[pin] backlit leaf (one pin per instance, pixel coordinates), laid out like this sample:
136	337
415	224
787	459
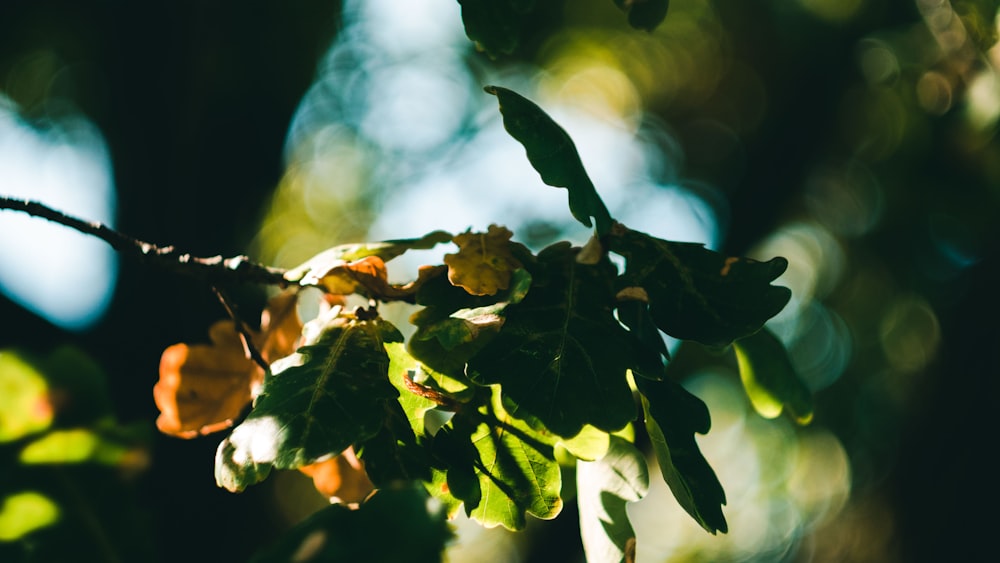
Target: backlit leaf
25	406
24	512
337	534
604	487
202	388
553	154
589	445
483	263
561	356
422	389
644	14
697	294
369	277
108	444
325	397
673	415
499	466
769	378
341	477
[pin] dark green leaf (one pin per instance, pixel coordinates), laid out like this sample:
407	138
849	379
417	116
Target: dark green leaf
500	467
327	396
561	356
769	378
418	528
651	350
697	294
644	14
672	417
553	154
603	488
455	325
393	454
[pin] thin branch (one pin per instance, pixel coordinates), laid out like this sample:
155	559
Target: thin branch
246	338
213	269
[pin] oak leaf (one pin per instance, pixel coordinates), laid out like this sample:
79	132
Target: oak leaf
484	263
367	276
342	477
203	387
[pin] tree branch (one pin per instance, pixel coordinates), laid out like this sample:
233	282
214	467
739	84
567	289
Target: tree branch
213	269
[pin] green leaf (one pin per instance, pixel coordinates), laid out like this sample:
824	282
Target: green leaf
317	266
401	367
394	454
603	488
561	356
393	525
456	325
672	417
328	395
553	154
644	14
25	406
106	444
769	378
650	346
695	293
589	445
25	512
499	466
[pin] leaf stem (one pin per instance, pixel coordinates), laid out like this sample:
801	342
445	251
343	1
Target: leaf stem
249	348
214	269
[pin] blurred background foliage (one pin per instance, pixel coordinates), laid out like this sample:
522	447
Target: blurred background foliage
854	137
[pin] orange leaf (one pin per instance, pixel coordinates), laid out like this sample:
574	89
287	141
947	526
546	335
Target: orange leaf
280	326
342	477
371	277
203	387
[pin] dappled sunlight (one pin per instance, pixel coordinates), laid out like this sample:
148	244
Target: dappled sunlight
57	273
257	440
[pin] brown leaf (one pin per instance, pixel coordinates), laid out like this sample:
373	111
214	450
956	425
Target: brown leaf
342	477
484	263
203	387
370	277
280	326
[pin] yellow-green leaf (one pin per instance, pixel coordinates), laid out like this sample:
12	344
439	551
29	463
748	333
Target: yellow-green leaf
769	378
484	262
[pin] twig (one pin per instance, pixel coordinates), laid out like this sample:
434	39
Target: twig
241	327
214	269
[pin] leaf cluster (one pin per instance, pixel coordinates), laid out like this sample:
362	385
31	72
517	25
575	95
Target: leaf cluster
517	362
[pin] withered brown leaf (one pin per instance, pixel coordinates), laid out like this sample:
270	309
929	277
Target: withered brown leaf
203	387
